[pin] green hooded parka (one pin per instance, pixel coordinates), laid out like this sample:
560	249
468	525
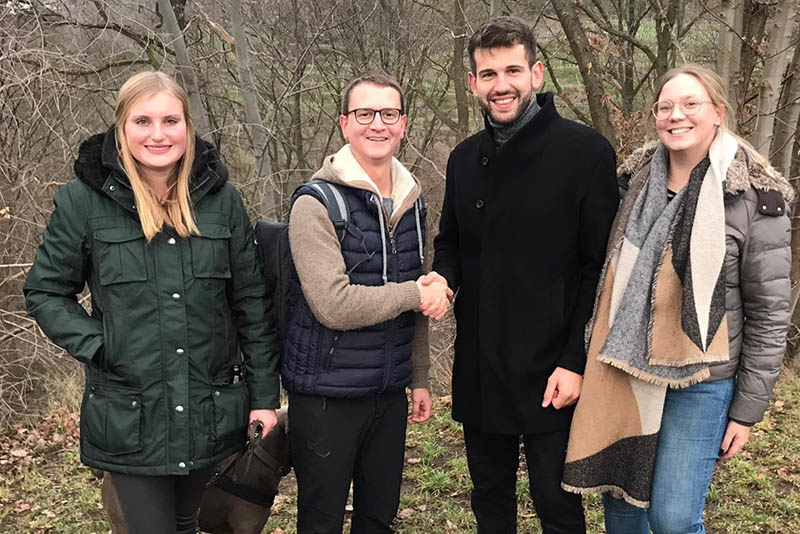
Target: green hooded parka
169	318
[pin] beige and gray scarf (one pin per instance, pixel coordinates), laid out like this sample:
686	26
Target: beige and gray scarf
659	321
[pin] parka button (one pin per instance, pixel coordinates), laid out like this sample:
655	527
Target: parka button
134	404
484	161
479	203
179	408
91	395
171	241
112	188
216	393
191	463
176	296
181	465
179	351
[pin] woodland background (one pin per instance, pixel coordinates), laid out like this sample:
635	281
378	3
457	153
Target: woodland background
265	77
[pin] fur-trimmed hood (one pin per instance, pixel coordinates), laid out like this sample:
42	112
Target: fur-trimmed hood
98	158
742	174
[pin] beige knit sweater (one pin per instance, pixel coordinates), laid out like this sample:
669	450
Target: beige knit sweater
317	255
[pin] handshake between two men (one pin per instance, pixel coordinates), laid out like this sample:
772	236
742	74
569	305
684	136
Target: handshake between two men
563	386
435	295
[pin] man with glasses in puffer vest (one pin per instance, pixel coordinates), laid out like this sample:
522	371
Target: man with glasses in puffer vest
355	339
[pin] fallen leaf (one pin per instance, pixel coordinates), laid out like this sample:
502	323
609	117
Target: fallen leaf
414	461
19	453
22	507
405	513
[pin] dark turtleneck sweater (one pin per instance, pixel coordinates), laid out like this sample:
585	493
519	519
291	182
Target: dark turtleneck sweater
504	132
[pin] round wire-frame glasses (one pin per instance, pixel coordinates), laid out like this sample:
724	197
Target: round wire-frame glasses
689	106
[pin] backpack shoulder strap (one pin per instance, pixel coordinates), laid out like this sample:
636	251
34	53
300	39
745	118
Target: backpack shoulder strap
334	201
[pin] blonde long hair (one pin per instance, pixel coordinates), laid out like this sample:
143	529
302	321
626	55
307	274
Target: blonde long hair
713	85
177	212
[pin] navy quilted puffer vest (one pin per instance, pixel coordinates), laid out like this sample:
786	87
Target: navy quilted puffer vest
334	363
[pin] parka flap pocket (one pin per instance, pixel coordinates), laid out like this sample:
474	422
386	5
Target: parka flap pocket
120	254
214	231
111	419
231	402
210	258
118	235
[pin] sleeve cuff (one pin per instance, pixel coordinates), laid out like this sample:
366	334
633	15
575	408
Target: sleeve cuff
410	295
419	378
264	394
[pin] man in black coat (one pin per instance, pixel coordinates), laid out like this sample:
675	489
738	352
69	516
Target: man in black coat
527	210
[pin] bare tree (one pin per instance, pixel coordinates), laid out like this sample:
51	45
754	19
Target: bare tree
776	58
459	75
186	68
729	46
591	70
263	164
788	115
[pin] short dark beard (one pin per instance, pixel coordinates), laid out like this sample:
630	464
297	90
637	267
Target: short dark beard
523	105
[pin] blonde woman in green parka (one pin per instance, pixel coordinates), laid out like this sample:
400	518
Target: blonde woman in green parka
151	224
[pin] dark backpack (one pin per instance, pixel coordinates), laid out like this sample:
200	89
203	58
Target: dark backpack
272	238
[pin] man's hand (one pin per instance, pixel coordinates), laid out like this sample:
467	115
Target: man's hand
421	405
432	277
563	388
735	437
434	297
267	418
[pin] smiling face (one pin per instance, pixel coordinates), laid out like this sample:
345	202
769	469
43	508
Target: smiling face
503	81
155	132
690	134
373	143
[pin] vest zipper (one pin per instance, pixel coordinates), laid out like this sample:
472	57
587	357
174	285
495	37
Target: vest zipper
388	366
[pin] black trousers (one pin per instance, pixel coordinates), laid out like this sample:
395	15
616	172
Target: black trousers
161	504
333	441
493	460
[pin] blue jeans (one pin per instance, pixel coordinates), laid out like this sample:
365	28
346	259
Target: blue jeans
692	428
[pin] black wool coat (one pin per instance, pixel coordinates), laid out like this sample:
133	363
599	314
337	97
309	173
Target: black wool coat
522	238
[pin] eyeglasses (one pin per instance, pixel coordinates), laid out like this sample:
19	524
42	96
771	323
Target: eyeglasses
365	116
689	106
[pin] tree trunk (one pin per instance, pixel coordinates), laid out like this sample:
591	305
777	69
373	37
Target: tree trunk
255	123
665	17
186	71
727	41
458	73
179	7
787	117
591	70
754	17
780	28
795	167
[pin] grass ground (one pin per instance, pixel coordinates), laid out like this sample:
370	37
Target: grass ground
44	489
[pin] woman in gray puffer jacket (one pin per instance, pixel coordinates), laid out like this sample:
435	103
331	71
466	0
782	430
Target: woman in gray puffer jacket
691	317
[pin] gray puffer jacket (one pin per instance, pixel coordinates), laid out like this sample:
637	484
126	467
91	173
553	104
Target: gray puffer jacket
757	263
